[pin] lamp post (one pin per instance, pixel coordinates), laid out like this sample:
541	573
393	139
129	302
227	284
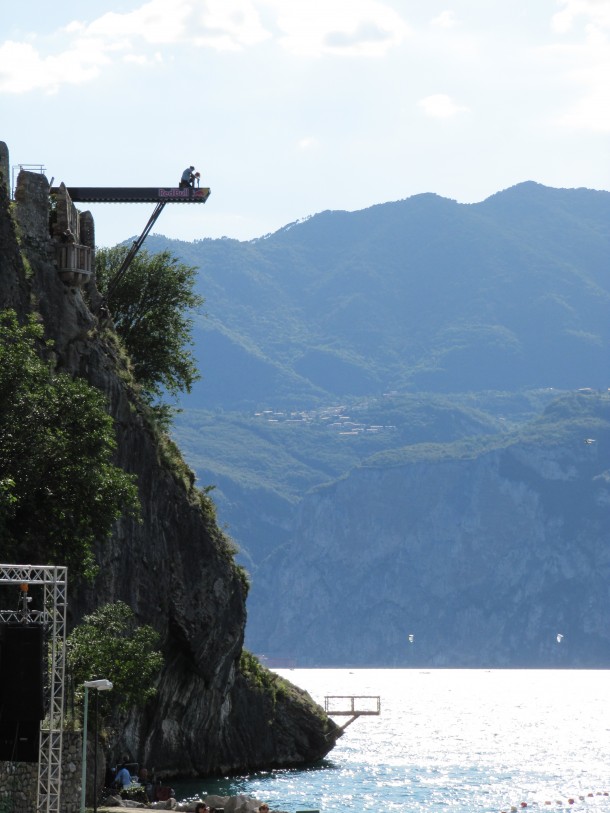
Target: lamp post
102	685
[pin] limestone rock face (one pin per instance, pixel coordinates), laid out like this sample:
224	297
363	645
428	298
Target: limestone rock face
173	568
478	561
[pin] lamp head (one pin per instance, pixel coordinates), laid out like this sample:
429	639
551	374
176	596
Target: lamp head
102	685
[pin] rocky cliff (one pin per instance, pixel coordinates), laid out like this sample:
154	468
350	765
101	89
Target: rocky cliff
489	554
175	568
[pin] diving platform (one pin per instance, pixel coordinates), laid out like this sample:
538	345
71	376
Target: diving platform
135	194
352	706
73	264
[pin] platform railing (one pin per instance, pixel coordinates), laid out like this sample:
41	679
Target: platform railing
352	704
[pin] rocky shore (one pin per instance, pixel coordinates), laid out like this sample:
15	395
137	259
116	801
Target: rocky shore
228	804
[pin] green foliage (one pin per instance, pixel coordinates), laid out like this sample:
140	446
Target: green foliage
276	688
244	577
150	305
59	491
256	674
135	793
110	644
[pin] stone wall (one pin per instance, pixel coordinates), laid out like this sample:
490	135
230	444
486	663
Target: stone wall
19	780
31	212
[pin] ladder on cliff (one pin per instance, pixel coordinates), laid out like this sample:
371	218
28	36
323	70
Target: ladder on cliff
352	706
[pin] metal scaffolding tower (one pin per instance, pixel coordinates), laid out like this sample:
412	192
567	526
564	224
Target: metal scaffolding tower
53	616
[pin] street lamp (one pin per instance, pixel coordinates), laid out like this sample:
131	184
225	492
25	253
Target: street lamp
102	685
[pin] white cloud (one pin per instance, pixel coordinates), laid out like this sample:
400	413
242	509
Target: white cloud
446	19
341	27
440	106
583	59
588	67
134	59
307	143
154	22
78	51
230	25
23	69
85	48
594	11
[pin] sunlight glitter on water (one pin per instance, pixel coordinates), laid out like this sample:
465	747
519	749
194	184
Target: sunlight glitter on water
465	740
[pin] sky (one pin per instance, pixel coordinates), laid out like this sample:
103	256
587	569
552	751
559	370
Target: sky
293	107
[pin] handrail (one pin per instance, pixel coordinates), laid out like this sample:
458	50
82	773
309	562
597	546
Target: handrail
352	703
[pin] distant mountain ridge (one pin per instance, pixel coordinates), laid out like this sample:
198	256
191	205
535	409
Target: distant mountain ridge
451	323
424	294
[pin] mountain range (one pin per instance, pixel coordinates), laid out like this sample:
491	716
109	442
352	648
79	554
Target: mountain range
421	332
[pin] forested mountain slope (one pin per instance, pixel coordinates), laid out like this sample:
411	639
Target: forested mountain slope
424	294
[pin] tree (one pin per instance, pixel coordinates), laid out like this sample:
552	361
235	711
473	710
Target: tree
59	490
150	305
110	644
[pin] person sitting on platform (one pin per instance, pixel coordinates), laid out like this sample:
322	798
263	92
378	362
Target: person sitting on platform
188	178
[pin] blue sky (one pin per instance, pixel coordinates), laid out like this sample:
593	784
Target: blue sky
292	107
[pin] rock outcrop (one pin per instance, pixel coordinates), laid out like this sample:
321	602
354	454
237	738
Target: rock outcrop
175	568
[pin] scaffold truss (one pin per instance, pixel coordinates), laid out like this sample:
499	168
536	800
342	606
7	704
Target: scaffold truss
53	616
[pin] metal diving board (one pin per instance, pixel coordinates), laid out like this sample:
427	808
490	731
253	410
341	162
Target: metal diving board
126	194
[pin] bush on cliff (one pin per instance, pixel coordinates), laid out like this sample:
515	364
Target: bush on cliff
150	305
59	491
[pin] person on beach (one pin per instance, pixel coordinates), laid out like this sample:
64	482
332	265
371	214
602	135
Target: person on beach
123	777
144	780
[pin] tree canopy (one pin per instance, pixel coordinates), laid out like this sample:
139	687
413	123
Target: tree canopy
151	305
59	490
109	643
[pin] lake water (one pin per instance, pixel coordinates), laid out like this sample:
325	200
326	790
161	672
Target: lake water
462	741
